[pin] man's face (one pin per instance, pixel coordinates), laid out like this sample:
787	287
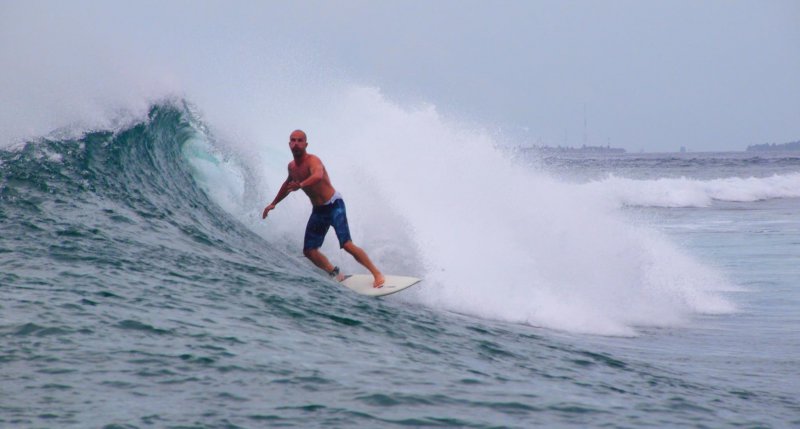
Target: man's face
297	143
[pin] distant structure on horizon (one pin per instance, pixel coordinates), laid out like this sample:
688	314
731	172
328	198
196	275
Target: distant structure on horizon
791	146
568	149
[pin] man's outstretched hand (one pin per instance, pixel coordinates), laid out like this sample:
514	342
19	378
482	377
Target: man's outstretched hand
267	210
286	188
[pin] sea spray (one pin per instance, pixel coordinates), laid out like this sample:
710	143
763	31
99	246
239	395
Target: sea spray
427	196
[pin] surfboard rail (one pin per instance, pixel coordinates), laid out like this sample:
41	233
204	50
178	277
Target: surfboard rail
362	284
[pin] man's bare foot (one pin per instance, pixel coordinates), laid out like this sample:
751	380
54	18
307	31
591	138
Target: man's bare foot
336	274
379	281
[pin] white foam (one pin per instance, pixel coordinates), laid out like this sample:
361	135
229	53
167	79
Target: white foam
430	197
684	192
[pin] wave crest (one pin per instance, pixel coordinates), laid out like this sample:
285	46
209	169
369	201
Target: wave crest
685	192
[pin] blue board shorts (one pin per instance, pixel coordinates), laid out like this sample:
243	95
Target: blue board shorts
322	218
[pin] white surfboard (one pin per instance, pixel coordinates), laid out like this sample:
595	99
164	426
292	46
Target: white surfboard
362	283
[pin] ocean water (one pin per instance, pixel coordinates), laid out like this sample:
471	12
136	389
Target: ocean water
140	288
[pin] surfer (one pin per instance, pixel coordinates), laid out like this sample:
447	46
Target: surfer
306	172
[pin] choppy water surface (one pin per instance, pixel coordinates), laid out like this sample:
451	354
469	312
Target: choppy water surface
130	298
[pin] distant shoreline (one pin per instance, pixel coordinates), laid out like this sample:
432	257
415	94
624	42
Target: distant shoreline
757	148
583	149
774	147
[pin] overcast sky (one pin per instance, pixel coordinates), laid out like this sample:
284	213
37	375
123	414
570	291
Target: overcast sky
650	75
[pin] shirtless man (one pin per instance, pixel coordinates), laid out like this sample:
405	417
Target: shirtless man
306	172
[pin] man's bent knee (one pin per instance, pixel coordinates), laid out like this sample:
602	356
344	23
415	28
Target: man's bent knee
349	246
310	252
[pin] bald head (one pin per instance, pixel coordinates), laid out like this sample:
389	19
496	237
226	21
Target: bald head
297	134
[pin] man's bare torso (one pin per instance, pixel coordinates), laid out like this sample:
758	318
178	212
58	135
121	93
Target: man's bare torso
320	192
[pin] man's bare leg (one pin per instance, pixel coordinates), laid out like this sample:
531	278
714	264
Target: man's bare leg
361	257
321	261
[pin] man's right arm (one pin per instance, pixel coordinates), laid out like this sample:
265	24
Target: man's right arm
286	188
